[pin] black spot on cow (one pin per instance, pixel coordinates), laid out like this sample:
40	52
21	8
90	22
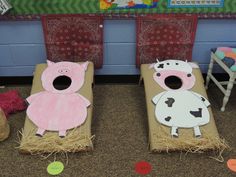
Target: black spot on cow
203	99
167	118
177	131
170	102
197	113
161	66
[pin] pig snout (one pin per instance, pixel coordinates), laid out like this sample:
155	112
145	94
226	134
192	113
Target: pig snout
63	71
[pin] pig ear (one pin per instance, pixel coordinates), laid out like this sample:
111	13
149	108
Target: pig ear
85	65
50	63
193	65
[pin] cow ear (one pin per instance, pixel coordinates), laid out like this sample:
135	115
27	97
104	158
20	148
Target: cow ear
85	65
50	63
151	65
193	65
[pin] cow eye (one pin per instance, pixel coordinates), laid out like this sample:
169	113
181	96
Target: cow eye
189	75
177	63
158	74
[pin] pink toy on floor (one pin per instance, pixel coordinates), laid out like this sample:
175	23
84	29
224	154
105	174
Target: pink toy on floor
59	110
11	102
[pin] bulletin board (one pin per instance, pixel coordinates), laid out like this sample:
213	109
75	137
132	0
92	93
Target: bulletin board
39	7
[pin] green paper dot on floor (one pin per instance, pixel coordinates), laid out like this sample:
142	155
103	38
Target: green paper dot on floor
55	168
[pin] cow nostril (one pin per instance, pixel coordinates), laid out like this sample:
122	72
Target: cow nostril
189	75
158	74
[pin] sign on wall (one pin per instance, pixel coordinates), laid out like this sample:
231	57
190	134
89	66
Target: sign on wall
195	3
127	4
37	7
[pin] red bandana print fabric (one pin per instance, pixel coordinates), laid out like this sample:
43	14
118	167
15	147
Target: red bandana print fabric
165	36
74	38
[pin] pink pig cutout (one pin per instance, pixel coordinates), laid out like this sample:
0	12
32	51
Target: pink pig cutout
59	110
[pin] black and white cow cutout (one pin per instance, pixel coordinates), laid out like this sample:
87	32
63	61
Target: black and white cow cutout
179	108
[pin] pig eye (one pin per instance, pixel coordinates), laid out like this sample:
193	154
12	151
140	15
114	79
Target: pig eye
158	74
189	75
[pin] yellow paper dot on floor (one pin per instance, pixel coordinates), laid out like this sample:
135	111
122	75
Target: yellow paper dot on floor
55	168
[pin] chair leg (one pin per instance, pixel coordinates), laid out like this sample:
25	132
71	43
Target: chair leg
209	72
228	92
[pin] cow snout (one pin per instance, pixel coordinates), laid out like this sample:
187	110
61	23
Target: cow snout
184	80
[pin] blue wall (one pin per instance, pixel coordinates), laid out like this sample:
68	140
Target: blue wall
22	45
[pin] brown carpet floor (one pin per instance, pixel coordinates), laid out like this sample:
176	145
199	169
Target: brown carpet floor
120	126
